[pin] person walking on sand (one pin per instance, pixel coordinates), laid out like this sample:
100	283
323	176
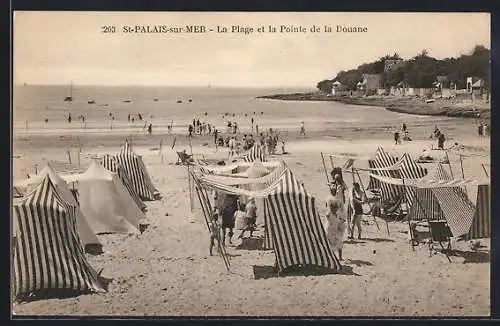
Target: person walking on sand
441	140
302	131
229	207
250	217
336	217
232	146
480	130
150	129
190	130
357	203
215	229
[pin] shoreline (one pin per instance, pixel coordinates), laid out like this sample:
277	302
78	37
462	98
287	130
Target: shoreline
408	105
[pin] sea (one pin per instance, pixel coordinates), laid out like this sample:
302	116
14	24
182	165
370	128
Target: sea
42	109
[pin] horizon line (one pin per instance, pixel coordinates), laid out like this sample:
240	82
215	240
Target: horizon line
163	85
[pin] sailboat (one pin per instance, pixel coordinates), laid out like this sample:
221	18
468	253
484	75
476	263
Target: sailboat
70	97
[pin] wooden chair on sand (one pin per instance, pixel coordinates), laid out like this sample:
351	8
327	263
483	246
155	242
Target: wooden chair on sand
184	158
440	233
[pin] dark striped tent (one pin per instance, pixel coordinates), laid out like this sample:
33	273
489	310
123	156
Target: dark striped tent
110	163
481	224
48	251
137	172
293	226
384	160
256	153
409	169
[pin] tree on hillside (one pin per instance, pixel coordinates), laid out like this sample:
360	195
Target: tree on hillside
325	86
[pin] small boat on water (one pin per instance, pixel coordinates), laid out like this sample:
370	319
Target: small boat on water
179	101
127	101
91	102
70	97
156	100
190	100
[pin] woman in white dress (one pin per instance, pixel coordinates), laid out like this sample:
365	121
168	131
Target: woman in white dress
336	220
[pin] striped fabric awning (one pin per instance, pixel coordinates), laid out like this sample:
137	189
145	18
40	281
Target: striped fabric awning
458	211
110	163
48	251
409	169
481	224
137	172
419	183
293	227
256	153
382	161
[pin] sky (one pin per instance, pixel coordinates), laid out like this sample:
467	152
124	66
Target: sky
60	47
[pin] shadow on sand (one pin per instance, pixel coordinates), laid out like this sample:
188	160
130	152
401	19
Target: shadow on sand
378	239
472	257
265	272
359	263
251	244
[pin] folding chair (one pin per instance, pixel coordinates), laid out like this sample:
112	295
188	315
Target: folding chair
393	209
184	158
440	233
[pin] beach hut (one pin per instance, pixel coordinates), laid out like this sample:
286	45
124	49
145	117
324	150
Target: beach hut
293	228
136	170
107	202
87	235
110	163
481	224
48	255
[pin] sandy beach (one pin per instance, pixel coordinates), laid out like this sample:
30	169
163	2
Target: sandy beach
167	271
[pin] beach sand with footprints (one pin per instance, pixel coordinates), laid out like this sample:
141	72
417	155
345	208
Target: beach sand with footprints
167	271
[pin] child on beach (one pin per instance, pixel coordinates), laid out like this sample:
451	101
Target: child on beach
214	229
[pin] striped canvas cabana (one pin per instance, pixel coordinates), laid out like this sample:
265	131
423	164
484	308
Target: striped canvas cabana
409	169
110	163
137	172
454	205
481	225
48	252
256	153
293	227
385	165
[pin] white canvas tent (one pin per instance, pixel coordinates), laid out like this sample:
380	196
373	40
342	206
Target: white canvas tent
87	235
107	202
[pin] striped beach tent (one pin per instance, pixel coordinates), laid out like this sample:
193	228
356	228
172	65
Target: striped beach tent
481	224
382	161
110	163
137	172
48	252
87	235
293	228
256	153
409	169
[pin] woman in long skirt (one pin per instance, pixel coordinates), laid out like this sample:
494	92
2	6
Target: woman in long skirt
336	221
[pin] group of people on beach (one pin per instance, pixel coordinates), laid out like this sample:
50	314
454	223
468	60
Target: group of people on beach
231	212
483	130
402	134
200	128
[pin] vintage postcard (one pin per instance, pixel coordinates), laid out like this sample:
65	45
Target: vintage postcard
251	164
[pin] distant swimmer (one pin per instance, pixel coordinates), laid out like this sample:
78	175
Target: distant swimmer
46	120
150	128
69	118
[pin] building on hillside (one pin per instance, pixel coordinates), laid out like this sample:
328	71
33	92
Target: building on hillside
339	89
370	83
475	85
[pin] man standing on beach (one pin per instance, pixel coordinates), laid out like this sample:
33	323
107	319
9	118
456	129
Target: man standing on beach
357	201
302	131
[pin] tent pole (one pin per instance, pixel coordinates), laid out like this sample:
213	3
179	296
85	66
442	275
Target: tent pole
449	163
331	162
484	169
190	188
462	168
324	166
364	192
409	224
